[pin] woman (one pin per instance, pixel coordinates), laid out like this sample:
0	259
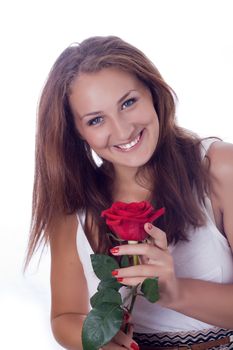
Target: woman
105	96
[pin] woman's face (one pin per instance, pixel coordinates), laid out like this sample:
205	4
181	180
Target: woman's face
114	114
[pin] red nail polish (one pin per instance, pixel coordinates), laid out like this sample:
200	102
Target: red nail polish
114	273
149	226
114	250
119	279
126	317
134	346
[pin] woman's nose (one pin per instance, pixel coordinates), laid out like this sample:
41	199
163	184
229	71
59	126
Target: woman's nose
121	130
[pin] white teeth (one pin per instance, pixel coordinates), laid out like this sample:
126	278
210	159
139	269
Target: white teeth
131	144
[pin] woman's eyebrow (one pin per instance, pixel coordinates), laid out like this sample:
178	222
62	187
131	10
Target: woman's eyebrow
91	113
124	96
118	102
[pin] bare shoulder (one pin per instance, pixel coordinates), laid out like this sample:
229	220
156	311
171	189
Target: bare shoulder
220	155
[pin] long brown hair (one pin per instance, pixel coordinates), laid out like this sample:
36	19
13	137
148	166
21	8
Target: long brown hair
66	177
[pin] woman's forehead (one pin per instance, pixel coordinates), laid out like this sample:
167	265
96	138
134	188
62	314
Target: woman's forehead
95	90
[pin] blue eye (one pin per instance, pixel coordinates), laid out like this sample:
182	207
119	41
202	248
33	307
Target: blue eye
95	121
128	103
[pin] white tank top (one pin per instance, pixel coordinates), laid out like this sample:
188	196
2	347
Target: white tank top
206	256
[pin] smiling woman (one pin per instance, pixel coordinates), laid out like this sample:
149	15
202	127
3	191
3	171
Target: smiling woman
125	129
105	95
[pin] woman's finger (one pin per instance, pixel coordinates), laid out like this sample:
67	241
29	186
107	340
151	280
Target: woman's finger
111	346
126	340
148	270
138	276
144	249
159	236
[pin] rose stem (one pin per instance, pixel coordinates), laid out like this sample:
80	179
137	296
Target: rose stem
134	289
134	295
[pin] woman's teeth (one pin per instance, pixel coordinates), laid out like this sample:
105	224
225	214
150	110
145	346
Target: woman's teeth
127	146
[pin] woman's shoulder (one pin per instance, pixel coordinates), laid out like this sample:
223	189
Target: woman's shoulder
62	230
220	155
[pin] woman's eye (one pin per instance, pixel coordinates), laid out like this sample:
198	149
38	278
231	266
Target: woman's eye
128	103
95	121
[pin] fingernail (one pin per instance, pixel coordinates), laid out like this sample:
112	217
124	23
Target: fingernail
119	279
114	273
134	346
126	317
149	226
114	250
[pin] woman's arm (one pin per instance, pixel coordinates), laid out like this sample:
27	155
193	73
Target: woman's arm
206	301
213	302
68	284
69	291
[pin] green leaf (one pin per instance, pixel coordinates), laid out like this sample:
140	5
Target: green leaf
100	326
103	265
125	261
106	295
150	289
109	283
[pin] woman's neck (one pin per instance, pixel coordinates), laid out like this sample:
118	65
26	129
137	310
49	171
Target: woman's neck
128	189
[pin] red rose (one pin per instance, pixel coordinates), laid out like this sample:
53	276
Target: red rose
127	219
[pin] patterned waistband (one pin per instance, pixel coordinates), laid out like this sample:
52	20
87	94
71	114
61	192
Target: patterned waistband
182	338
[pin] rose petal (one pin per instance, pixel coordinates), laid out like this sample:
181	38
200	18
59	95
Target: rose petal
127	219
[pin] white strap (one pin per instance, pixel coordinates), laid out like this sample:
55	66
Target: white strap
206	143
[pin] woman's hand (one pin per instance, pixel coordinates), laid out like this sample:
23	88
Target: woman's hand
122	340
155	261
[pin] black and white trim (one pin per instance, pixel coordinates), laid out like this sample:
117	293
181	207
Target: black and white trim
183	338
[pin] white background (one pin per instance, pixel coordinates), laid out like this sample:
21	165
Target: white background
191	42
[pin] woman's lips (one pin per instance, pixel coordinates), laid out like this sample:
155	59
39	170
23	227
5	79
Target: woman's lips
128	146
